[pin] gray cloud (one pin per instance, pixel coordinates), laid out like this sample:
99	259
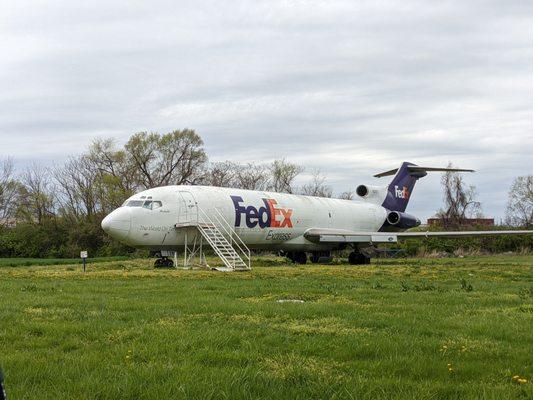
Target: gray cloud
349	87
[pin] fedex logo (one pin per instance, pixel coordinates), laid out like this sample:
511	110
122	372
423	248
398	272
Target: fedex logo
268	216
402	193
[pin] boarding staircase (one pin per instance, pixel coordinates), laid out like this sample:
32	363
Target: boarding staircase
222	238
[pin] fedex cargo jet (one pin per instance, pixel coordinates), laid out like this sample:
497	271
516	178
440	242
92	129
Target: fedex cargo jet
172	219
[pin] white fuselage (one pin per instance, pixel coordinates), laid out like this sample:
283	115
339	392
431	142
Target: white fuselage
263	220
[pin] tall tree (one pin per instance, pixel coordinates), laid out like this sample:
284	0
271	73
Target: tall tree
459	200
222	174
115	178
175	158
77	185
252	177
520	203
317	186
283	174
9	192
37	197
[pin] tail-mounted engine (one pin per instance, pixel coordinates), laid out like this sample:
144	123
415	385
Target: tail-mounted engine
372	194
402	220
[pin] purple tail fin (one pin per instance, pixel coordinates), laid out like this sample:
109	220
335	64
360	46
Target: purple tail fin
401	187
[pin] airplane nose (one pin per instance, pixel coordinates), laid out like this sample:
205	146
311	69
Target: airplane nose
118	223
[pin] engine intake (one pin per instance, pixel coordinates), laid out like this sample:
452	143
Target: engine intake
402	220
372	194
362	190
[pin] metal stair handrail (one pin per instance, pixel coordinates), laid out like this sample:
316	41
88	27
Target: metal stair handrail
232	234
218	251
228	230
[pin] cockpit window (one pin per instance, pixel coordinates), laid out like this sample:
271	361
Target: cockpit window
148	204
134	203
152	205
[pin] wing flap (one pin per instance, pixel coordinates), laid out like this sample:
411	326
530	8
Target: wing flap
326	235
460	233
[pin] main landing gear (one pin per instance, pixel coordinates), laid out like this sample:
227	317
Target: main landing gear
164	262
297	257
323	257
358	258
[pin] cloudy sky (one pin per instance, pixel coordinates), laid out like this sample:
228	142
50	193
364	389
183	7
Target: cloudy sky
347	87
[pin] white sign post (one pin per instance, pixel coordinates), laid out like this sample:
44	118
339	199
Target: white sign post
83	256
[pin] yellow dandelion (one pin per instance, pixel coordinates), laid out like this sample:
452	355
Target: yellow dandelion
516	377
522	380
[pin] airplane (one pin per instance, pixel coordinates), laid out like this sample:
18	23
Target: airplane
169	219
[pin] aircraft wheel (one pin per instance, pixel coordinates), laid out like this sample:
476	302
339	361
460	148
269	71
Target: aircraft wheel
290	256
357	258
321	257
164	263
300	258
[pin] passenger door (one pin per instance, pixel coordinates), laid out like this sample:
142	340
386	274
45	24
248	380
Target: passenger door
188	209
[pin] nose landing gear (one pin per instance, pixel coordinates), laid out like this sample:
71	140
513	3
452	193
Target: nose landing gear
164	262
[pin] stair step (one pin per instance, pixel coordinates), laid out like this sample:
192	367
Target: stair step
222	246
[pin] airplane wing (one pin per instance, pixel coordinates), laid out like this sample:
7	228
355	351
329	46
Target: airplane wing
325	235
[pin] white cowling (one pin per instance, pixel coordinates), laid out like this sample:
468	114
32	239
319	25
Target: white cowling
372	194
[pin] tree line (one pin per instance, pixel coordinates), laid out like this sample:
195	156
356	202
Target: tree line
56	211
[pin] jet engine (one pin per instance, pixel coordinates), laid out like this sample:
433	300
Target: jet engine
373	194
402	220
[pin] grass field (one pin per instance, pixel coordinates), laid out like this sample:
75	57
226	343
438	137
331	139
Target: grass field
26	262
440	329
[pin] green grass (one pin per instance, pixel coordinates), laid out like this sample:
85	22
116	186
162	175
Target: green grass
387	330
26	262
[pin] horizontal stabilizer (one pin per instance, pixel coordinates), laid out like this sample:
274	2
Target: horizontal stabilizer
417	168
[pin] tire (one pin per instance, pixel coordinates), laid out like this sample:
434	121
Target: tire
300	258
290	256
157	263
169	263
356	258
